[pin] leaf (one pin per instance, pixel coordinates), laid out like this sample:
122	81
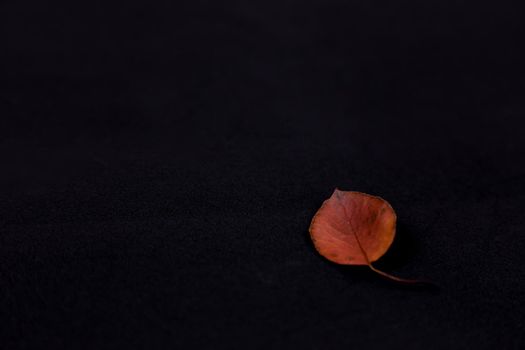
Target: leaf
354	228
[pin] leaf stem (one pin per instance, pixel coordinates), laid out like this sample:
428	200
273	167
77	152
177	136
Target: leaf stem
398	279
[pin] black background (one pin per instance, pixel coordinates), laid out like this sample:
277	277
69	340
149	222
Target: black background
161	163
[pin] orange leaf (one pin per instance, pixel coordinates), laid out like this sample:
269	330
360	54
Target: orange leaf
354	228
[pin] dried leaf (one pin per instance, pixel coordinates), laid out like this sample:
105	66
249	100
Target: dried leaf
354	228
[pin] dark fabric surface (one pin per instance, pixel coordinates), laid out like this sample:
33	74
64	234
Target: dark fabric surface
161	163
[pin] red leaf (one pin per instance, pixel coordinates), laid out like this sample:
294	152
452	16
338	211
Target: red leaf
354	228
